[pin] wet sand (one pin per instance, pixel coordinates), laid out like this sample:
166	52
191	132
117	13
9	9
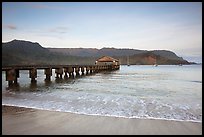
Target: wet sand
26	121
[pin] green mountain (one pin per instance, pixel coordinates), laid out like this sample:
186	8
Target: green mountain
18	52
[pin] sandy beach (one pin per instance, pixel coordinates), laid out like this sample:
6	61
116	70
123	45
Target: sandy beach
22	121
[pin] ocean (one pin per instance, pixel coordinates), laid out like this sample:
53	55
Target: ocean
168	92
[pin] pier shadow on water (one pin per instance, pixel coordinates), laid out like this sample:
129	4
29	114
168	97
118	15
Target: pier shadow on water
15	87
33	86
39	84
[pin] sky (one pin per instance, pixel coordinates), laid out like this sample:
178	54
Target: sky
174	26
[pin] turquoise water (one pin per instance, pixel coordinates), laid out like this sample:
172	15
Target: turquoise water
164	92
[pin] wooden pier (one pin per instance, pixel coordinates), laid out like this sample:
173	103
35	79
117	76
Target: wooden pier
66	71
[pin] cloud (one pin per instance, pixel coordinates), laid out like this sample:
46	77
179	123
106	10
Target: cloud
9	26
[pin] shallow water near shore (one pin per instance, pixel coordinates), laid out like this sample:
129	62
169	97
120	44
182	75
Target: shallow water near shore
164	92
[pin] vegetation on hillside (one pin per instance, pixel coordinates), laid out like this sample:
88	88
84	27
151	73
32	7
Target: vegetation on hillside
19	52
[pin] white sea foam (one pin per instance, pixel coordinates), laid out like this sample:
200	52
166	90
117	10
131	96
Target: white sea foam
108	115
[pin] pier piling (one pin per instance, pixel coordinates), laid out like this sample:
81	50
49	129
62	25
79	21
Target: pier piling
59	72
48	74
33	74
12	72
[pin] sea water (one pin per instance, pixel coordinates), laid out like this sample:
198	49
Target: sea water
167	92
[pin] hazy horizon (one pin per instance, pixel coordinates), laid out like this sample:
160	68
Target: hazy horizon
174	26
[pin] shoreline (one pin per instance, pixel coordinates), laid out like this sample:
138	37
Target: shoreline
21	120
174	120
